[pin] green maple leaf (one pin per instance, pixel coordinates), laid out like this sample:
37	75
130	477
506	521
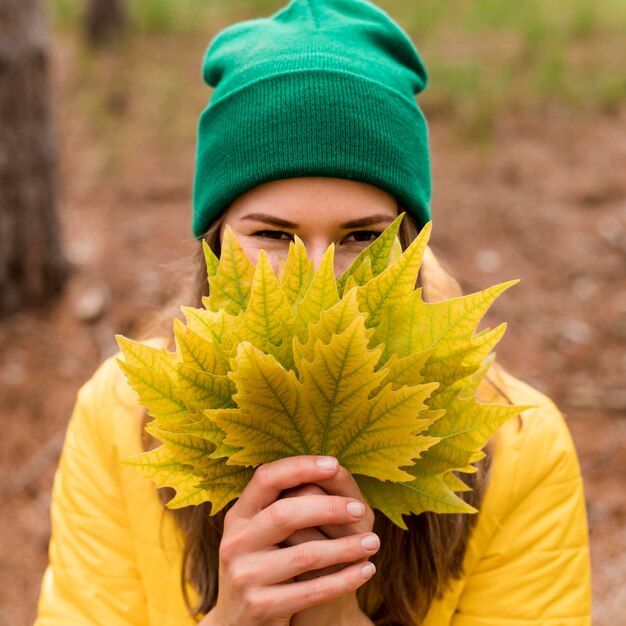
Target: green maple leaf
163	467
374	259
297	273
151	371
360	368
230	277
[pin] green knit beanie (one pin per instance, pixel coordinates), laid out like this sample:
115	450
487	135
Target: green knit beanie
320	88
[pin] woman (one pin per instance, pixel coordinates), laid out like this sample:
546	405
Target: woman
313	130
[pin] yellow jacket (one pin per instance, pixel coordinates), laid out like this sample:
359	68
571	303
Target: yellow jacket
115	553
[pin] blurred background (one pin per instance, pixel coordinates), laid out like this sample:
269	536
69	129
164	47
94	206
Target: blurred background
98	106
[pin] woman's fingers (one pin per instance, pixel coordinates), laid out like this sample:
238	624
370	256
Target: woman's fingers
280	519
301	536
291	598
305	534
288	502
277	566
369	544
270	479
343	484
304	490
315	534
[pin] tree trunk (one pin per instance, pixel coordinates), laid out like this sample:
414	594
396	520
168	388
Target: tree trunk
32	267
105	21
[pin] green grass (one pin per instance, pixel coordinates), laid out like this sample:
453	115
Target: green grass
484	57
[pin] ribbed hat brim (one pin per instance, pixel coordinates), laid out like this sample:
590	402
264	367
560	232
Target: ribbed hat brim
312	122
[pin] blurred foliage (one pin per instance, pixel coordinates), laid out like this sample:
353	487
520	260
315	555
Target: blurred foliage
483	56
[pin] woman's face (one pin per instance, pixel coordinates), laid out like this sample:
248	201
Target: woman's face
320	211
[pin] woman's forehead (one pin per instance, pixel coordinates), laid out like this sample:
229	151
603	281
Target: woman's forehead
307	200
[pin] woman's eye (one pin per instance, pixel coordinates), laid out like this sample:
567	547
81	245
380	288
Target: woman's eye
273	234
362	235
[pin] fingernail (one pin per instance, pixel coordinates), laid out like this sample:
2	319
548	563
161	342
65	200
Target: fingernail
370	542
356	509
367	571
326	463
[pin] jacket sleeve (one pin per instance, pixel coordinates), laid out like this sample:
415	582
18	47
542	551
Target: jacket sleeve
535	570
92	577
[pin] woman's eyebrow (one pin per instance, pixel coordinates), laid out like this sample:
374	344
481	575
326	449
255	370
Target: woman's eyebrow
269	219
367	221
281	223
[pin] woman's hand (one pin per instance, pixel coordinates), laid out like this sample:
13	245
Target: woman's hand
258	582
344	609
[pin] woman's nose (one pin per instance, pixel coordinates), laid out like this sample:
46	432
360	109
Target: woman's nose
340	262
316	252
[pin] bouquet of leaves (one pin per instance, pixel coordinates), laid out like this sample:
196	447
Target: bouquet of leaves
298	362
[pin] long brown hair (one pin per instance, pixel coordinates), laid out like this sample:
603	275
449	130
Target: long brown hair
417	566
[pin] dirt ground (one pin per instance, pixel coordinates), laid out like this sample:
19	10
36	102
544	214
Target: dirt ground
544	202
